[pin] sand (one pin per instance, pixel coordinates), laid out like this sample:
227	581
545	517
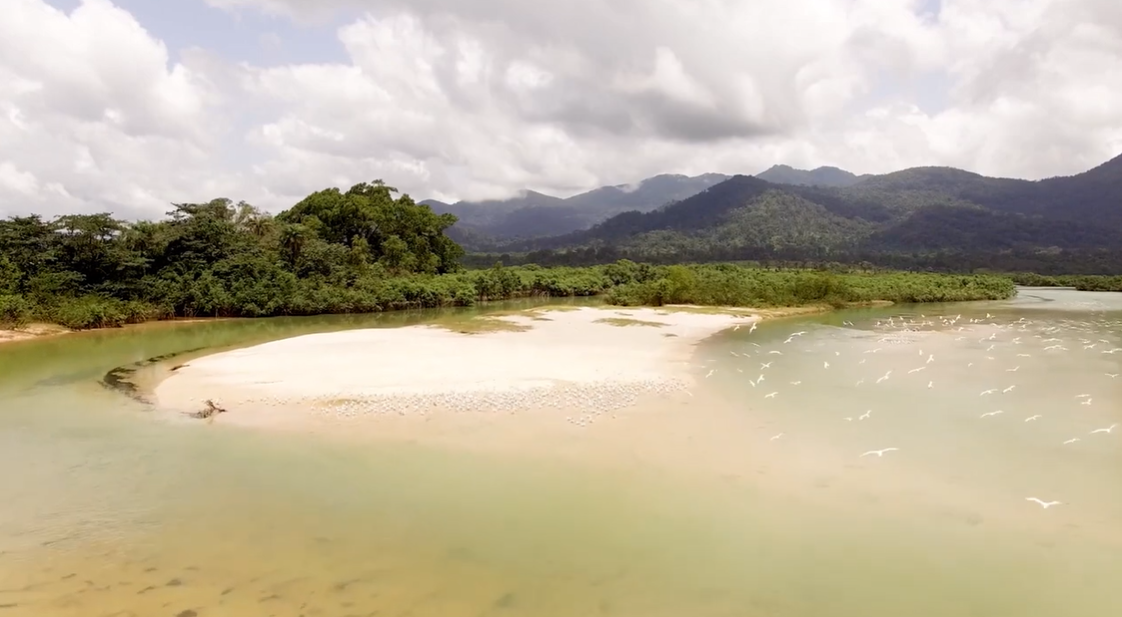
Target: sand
586	361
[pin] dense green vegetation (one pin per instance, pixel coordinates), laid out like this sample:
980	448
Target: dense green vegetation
731	285
1082	283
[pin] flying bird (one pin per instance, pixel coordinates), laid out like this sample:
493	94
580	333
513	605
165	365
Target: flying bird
1104	430
1031	418
772	395
880	453
1072	440
1008	390
1043	504
765	365
865	416
992	413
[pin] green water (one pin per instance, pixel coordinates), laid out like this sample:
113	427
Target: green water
694	510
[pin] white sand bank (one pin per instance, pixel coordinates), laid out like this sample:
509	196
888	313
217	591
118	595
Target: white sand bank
571	359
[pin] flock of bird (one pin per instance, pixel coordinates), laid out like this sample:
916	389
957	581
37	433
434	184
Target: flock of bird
1017	339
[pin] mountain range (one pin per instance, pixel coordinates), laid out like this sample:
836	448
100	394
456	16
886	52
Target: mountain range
532	214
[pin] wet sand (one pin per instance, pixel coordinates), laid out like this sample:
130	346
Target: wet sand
583	363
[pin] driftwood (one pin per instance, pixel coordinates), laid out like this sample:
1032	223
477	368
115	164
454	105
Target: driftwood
212	409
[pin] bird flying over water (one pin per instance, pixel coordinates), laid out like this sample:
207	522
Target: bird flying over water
1031	418
880	453
992	413
865	416
772	395
764	365
1042	503
1104	430
988	392
1008	390
1072	440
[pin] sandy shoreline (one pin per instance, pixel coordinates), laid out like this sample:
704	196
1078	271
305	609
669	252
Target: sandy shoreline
586	361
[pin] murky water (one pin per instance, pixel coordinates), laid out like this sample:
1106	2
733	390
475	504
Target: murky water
685	510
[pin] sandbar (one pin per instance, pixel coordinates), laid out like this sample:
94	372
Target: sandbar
586	361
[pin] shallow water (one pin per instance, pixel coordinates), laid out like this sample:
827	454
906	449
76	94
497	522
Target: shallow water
690	510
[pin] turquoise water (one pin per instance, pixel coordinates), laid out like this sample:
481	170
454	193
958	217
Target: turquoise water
671	510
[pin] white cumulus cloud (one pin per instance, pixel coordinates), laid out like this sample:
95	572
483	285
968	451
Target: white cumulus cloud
481	98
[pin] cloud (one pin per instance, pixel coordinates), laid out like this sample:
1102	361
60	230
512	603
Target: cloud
481	98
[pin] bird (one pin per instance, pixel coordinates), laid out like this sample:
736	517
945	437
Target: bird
992	413
865	416
776	437
710	373
930	359
1031	418
772	395
825	365
795	383
765	365
775	353
1008	390
1104	430
988	392
1043	504
736	327
1082	396
1072	440
930	384
884	377
1111	375
880	453
1013	370
916	370
1086	402
753	328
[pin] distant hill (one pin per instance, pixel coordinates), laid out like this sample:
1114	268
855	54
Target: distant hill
821	176
533	214
922	210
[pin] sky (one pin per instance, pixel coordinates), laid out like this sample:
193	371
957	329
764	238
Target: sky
128	106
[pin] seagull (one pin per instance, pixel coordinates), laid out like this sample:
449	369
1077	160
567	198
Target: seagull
1111	375
1031	418
795	383
1082	396
1043	504
1013	370
776	437
988	392
753	328
930	359
880	453
1086	402
1072	440
825	365
930	384
764	365
916	370
865	416
736	327
992	413
884	377
776	353
1008	390
1104	430
772	395
710	373
859	382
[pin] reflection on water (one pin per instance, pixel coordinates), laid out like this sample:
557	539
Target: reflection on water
668	511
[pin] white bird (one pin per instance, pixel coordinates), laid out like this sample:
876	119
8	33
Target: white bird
1082	396
776	437
760	379
753	328
775	353
1008	390
865	416
772	395
992	413
1043	504
795	383
1072	440
988	392
859	382
884	377
1104	430
825	365
930	359
765	365
1112	375
1013	370
736	327
916	370
1031	418
710	373
930	384
880	452
1086	402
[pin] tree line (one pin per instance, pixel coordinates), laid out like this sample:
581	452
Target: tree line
366	249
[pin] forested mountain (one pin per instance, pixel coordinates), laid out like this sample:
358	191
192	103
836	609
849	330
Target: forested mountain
926	212
533	214
821	176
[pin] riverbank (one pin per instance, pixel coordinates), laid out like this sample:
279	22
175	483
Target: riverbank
30	331
580	362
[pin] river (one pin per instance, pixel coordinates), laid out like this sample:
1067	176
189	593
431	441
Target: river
744	502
